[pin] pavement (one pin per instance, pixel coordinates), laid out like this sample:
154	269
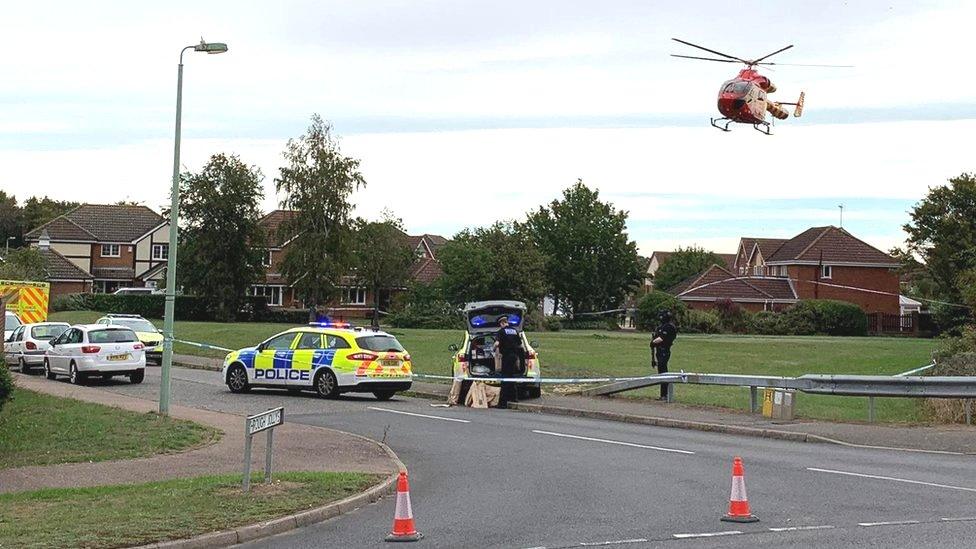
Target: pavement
932	438
297	447
506	478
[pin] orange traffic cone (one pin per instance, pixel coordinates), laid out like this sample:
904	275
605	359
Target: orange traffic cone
738	501
403	527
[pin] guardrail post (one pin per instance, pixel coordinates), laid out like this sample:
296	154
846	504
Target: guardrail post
969	411
753	399
870	409
670	392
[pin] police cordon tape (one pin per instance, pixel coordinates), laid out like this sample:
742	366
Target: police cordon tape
557	380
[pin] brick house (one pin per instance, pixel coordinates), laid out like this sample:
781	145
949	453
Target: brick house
111	246
819	263
355	301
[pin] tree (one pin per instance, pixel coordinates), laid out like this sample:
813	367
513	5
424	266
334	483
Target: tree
591	264
497	262
220	240
383	257
38	211
684	262
942	233
23	264
316	184
11	220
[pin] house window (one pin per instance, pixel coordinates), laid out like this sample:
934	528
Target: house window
111	250
266	258
271	293
354	296
826	271
160	251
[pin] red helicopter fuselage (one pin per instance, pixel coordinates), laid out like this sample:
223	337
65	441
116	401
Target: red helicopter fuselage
743	98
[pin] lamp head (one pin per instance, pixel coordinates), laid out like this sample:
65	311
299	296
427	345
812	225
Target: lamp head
210	47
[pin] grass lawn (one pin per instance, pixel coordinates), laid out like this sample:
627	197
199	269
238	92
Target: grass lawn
121	516
39	429
587	353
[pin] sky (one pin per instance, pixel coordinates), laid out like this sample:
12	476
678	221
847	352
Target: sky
467	112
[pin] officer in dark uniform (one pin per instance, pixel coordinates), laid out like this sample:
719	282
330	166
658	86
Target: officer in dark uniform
509	344
661	343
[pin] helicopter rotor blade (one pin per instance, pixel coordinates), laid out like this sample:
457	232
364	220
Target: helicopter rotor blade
806	65
770	54
710	51
704	58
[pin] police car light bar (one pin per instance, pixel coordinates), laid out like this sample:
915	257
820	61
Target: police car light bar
339	325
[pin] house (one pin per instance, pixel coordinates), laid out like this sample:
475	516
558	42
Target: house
109	246
819	263
355	301
659	258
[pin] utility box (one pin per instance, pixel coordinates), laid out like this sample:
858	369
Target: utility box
778	404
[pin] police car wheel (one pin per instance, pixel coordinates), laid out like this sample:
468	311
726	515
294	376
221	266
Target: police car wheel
383	395
326	385
237	380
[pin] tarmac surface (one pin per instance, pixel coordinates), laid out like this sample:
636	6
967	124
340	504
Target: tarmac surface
504	478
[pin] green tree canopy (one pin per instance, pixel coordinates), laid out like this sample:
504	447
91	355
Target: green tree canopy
23	264
383	257
220	240
11	220
684	262
317	183
497	262
591	264
943	233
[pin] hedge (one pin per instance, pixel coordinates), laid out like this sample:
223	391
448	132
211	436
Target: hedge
254	309
6	383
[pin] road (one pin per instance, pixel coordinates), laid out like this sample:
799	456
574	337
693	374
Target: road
502	478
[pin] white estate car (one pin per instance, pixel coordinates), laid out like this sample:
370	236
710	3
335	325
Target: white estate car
87	350
10	324
29	342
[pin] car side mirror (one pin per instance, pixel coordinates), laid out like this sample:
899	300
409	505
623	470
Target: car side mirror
453	348
260	347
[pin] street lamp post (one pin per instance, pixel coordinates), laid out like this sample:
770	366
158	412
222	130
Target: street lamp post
174	216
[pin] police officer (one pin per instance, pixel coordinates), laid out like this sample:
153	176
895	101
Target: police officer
509	344
661	343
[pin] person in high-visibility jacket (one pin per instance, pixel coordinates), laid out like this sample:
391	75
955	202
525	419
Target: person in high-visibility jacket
661	343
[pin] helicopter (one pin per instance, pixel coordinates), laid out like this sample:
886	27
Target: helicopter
744	99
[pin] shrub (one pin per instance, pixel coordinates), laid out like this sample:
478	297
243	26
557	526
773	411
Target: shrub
951	346
960	364
71	302
829	317
553	323
427	314
584	323
694	321
6	383
652	304
732	316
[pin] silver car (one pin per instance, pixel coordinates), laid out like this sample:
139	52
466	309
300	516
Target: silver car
87	350
29	342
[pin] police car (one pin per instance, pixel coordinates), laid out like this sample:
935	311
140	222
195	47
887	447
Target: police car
328	358
475	357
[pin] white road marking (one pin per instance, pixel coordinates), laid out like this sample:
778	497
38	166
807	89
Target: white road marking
706	534
605	441
797	528
894	479
889	523
418	415
618	542
957	519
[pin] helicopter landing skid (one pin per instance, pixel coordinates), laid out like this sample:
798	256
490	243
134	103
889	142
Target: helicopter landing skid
724	127
763	127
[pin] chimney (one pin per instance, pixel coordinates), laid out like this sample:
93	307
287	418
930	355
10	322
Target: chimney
44	242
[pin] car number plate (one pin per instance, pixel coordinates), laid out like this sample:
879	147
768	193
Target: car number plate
118	357
390	363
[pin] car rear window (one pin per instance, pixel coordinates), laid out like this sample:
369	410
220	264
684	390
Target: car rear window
47	332
112	335
12	321
380	344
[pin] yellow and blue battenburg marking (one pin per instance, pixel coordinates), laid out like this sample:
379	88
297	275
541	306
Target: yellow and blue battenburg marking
293	365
